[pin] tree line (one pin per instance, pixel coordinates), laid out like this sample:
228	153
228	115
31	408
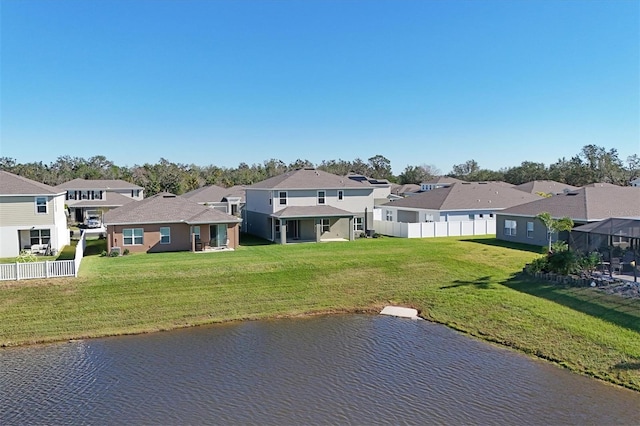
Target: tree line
591	164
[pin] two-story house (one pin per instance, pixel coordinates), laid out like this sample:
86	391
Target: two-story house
229	200
86	197
31	215
308	205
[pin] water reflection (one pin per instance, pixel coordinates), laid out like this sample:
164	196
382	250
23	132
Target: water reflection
335	369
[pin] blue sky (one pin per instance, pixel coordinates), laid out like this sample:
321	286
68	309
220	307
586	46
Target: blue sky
224	82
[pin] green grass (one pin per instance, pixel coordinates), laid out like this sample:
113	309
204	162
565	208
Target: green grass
471	285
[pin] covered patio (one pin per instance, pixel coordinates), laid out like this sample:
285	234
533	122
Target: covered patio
617	243
312	224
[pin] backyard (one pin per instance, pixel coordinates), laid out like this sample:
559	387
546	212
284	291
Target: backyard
472	285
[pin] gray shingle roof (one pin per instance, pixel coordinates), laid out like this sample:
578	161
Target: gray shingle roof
107	184
113	199
466	196
601	185
587	203
166	208
440	180
311	211
11	184
215	194
546	186
307	179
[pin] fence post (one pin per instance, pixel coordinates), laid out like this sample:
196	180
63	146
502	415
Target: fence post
46	268
17	271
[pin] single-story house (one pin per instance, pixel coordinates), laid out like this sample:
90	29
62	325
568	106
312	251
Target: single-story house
584	205
229	200
168	222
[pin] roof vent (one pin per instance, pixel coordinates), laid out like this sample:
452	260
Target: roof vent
168	196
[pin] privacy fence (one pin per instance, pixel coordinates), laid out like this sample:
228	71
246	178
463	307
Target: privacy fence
435	229
46	269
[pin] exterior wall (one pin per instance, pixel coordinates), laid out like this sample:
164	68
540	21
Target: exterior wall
539	237
18	214
105	194
407	216
354	200
338	228
258	224
180	237
258	201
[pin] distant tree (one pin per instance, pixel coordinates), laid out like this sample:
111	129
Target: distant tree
526	172
464	170
380	167
300	164
418	174
554	225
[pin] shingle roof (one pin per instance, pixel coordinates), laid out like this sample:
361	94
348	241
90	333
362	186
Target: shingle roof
407	187
311	211
467	196
107	184
215	194
591	203
307	179
439	180
11	184
112	199
601	185
166	208
546	186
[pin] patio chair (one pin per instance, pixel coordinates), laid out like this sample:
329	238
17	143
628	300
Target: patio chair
616	265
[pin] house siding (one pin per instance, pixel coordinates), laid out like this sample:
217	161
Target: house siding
18	214
539	230
180	237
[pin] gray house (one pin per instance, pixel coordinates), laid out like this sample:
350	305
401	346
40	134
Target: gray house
456	202
308	205
229	200
86	197
584	205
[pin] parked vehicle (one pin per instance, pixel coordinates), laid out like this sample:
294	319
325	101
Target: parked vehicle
93	222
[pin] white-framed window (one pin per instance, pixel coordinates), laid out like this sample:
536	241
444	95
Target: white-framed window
133	236
389	215
40	236
340	195
165	235
321	197
196	230
41	205
510	227
282	195
358	224
529	229
326	225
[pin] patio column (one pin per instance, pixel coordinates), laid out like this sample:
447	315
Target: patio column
351	233
318	231
283	231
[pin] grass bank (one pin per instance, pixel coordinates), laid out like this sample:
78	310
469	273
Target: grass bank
470	285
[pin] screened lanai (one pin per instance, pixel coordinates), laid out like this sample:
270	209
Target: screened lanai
616	240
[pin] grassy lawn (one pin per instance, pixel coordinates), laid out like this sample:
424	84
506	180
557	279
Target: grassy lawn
471	285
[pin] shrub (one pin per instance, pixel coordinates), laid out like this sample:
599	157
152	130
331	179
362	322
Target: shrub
538	265
114	254
104	253
125	252
25	257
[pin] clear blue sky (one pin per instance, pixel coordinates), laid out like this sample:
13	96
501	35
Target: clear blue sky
223	82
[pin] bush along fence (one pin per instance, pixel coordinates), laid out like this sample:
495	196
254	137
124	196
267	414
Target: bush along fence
47	269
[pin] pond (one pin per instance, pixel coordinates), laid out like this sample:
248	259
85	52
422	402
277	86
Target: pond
330	369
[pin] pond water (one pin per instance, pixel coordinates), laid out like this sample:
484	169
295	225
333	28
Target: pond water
344	369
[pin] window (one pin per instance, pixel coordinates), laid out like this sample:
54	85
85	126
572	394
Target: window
358	224
472	217
481	216
133	236
529	229
510	227
321	196
283	198
340	195
389	215
196	230
41	205
165	235
428	218
326	225
40	236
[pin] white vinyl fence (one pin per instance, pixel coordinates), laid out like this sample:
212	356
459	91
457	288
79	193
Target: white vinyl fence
46	269
435	229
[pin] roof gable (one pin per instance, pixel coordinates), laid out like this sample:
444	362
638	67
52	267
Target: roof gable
467	196
308	179
106	184
586	203
11	184
214	194
546	186
166	208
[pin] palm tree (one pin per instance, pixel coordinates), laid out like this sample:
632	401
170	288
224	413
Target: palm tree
554	225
